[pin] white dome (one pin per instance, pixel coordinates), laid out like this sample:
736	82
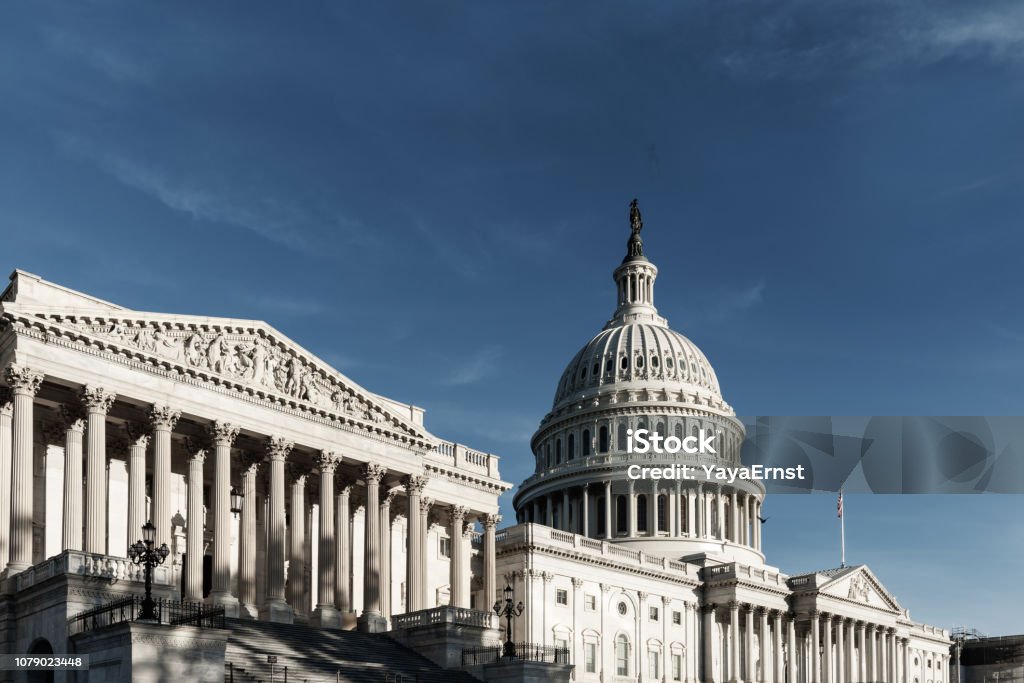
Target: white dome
640	356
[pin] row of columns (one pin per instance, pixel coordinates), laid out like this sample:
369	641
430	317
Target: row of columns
334	542
862	652
759	623
701	511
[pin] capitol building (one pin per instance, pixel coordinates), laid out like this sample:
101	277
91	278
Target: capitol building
313	524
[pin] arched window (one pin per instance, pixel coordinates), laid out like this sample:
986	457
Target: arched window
641	512
571	452
624	363
662	516
609	366
547	452
654	362
639	362
620	515
623	426
586	443
602	523
679	431
602	439
621	655
596	369
558	451
661	429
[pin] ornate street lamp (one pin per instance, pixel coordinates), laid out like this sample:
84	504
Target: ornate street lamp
143	553
510	611
236	500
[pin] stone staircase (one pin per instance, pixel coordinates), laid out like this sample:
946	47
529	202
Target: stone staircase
316	655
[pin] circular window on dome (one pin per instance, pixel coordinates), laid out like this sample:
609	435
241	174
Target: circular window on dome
623	608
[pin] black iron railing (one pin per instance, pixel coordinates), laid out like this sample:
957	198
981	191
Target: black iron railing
168	612
530	652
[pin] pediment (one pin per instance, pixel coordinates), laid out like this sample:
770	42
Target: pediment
859	584
249	355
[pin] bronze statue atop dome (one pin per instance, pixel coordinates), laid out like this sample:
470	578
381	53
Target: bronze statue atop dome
636	222
635	246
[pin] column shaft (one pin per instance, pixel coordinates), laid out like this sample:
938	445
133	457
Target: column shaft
223	436
385	555
414	486
247	540
748	625
777	655
163	419
325	613
609	521
458	517
6	445
97	403
490	561
815	676
343	551
137	517
371	617
297	595
734	642
275	607
194	528
71	533
584	524
24	384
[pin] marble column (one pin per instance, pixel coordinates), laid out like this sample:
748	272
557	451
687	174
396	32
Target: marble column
275	607
894	668
720	503
194	525
734	642
247	538
826	664
97	401
584	518
138	443
815	676
777	655
297	594
862	668
370	620
490	522
840	665
429	597
71	532
749	674
385	553
709	643
907	678
757	524
223	436
414	485
766	647
325	613
609	521
458	519
734	517
343	550
24	384
850	670
869	636
652	509
163	419
6	433
791	670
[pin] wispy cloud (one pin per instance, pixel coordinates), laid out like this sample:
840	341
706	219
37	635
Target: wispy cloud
475	368
113	64
272	218
809	38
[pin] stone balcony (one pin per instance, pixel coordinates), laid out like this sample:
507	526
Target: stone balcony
107	568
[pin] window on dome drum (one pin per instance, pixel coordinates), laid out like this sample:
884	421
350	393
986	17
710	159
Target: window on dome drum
558	451
624	363
562	596
602	439
668	362
596	369
621	655
661	429
662	517
620	515
585	446
601	522
641	512
679	431
571	450
623	426
654	362
583	373
639	362
609	366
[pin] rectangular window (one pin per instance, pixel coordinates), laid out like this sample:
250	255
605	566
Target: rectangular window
590	603
677	667
444	547
654	613
621	656
562	597
677	618
562	644
590	658
654	660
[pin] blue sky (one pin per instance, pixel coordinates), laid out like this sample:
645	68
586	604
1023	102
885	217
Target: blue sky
432	198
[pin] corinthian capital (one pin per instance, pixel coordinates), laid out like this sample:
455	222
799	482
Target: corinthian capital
327	461
249	462
414	484
374	472
97	399
278	447
222	433
458	512
163	417
23	380
138	435
491	520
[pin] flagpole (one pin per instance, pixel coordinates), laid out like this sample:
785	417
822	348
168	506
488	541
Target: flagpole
842	530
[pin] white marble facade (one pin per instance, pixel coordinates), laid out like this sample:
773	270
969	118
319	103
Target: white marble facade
110	417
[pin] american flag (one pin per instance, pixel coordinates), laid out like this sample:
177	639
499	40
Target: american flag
839	505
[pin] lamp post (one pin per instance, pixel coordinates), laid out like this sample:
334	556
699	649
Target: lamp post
236	501
510	611
143	553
